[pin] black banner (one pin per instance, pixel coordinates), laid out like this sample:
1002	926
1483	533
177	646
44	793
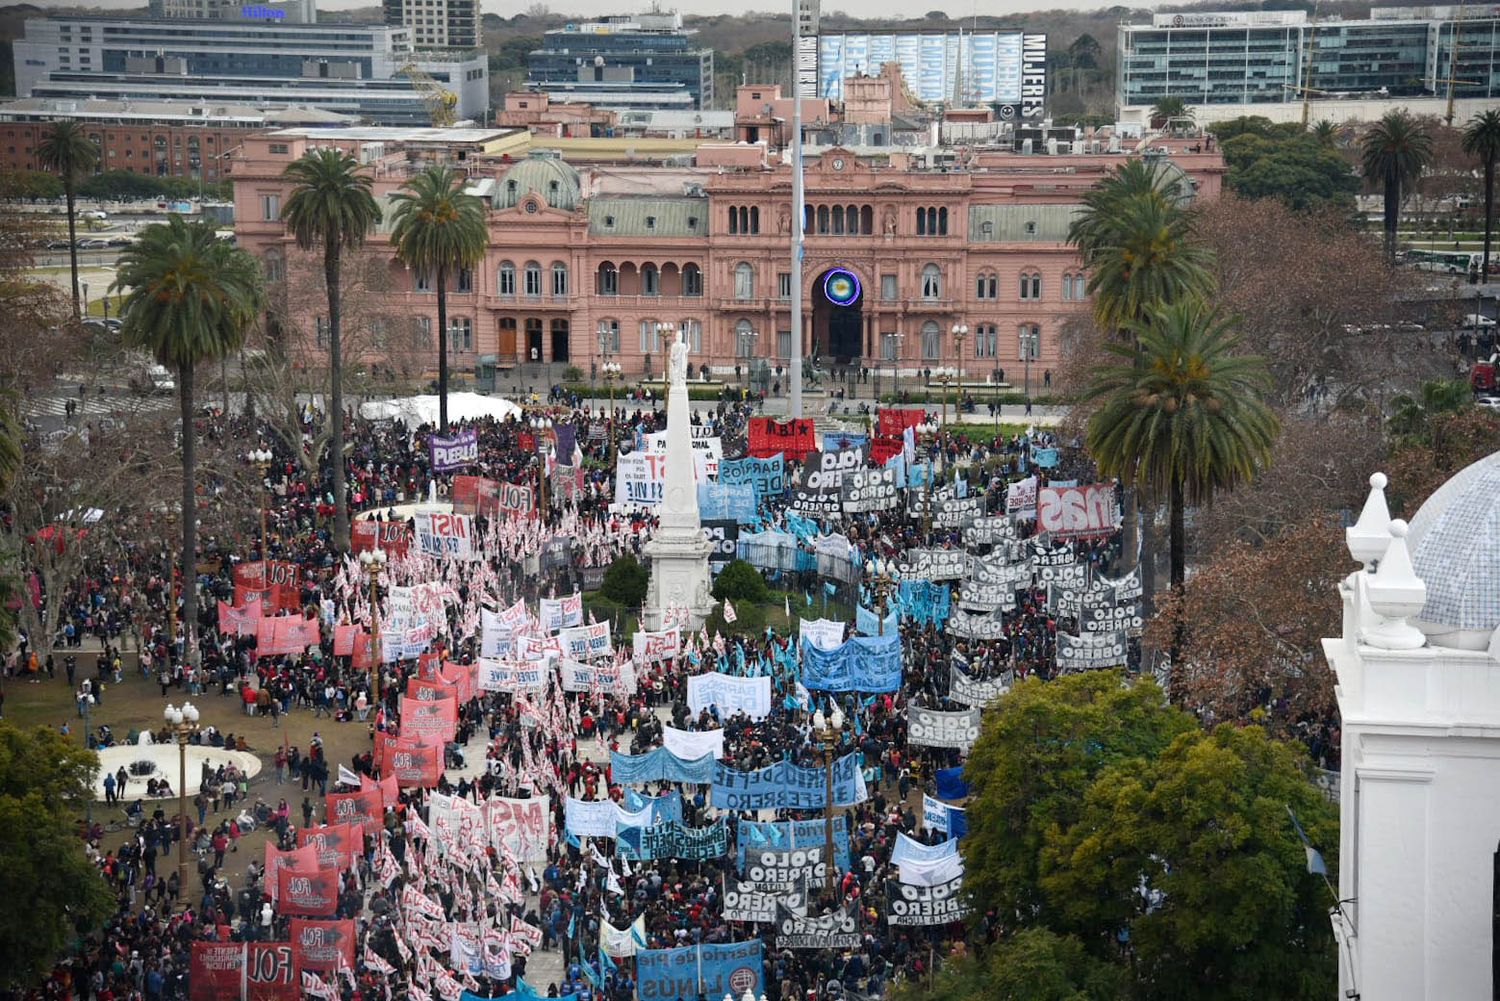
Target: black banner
925	905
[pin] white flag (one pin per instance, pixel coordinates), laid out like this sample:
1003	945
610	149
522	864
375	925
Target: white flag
729	615
347	777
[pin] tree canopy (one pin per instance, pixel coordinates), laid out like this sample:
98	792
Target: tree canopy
1299	170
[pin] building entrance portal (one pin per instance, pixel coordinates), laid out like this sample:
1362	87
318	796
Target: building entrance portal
838	316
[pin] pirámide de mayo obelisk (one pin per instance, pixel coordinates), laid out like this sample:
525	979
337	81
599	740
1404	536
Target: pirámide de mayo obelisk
678	551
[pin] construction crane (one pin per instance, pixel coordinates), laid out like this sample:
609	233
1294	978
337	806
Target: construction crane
442	103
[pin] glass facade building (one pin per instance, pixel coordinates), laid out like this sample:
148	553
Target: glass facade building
651	53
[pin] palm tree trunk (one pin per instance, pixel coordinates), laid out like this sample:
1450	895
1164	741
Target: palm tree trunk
1489	216
336	393
1177	543
189	562
1392	214
72	243
224	382
442	304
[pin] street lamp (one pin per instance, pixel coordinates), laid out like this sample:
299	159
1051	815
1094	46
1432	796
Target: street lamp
260	458
1031	335
960	331
612	375
882	574
539	426
373	561
929	431
183	723
828	731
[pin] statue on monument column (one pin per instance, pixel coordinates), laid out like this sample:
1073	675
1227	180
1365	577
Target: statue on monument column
679	361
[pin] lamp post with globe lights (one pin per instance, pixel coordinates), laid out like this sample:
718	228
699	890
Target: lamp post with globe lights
183	723
541	426
373	561
828	730
882	573
612	374
960	331
928	429
260	458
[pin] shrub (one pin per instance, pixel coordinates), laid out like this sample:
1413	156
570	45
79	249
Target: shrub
749	619
572	373
739	581
625	582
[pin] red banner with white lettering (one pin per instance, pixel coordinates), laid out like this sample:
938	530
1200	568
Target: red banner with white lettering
251	971
279	575
430	691
241	621
461	676
392	536
362	808
793	438
386	787
476	495
322	945
285	634
307	892
890	423
268	599
337	845
1084	512
411	763
276	860
436	721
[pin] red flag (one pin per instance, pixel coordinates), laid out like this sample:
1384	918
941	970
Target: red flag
302	858
337	845
322	945
363	808
411	763
307	892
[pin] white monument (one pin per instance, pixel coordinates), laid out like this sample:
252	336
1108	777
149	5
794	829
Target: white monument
679	551
1418	672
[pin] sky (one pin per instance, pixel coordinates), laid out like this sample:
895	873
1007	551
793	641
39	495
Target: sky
584	9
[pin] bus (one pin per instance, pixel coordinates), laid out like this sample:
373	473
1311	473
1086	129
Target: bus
1453	262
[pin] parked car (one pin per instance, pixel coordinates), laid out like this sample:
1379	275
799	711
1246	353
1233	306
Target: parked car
96	214
1477	320
93	243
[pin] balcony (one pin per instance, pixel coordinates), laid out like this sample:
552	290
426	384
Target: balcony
544	302
607	302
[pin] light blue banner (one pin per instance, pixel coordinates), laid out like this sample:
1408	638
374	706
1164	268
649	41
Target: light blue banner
673	840
923	601
659	765
785	786
664	808
792	834
766	476
1046	458
868	623
727	502
861	664
709	971
837	441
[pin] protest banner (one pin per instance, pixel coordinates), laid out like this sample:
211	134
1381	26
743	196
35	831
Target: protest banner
242	621
989	530
307	892
690	744
640	479
445	535
590	818
751	696
1077	512
925	905
841	440
825	634
794	438
672	840
1044	458
932	728
392	536
976	627
362	808
754	835
907	849
651	647
282	635
432	721
454	451
766	475
836	930
322	945
814	494
933	564
969	691
724	536
869	490
522	825
276	860
581	676
337	845
586	642
249	971
476	496
893	421
1090	651
619	942
785	786
957	512
756	902
784	867
694	971
867	623
1020	498
511	676
996	569
1111	618
939	816
860	664
983	597
559	613
659	765
727	502
414	764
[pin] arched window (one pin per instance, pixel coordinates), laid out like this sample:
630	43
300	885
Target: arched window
533	278
836	217
1031	285
932	341
807	218
692	280
867	220
986	340
754	220
1067	286
734	221
942	222
559	279
932	282
986	285
921	222
609	279
1029	341
823	219
744	339
744	281
851	219
1080	287
650	280
505	279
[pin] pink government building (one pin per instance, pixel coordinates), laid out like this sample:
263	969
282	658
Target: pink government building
594	254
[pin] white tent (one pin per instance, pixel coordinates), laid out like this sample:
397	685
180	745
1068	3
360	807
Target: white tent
415	410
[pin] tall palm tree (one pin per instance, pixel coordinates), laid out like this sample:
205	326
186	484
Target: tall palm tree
331	204
69	153
1144	258
1411	419
1328	133
1168	108
1393	153
190	299
439	229
1183	414
1093	227
1482	140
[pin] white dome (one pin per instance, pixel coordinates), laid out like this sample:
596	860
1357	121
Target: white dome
1455	549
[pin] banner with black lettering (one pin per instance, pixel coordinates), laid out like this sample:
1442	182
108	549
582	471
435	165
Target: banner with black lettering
768	867
837	930
925	905
757	902
869	490
933	564
932	728
673	840
976	627
1091	651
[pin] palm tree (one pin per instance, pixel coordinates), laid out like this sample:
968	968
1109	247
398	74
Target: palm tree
1482	140
1143	258
439	229
331	204
1168	108
67	152
1411	419
1182	414
1393	153
1327	133
1092	228
190	299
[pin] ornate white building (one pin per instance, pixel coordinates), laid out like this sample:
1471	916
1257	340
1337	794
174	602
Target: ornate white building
1418	669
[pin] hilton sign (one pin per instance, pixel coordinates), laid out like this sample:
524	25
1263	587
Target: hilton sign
259	13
